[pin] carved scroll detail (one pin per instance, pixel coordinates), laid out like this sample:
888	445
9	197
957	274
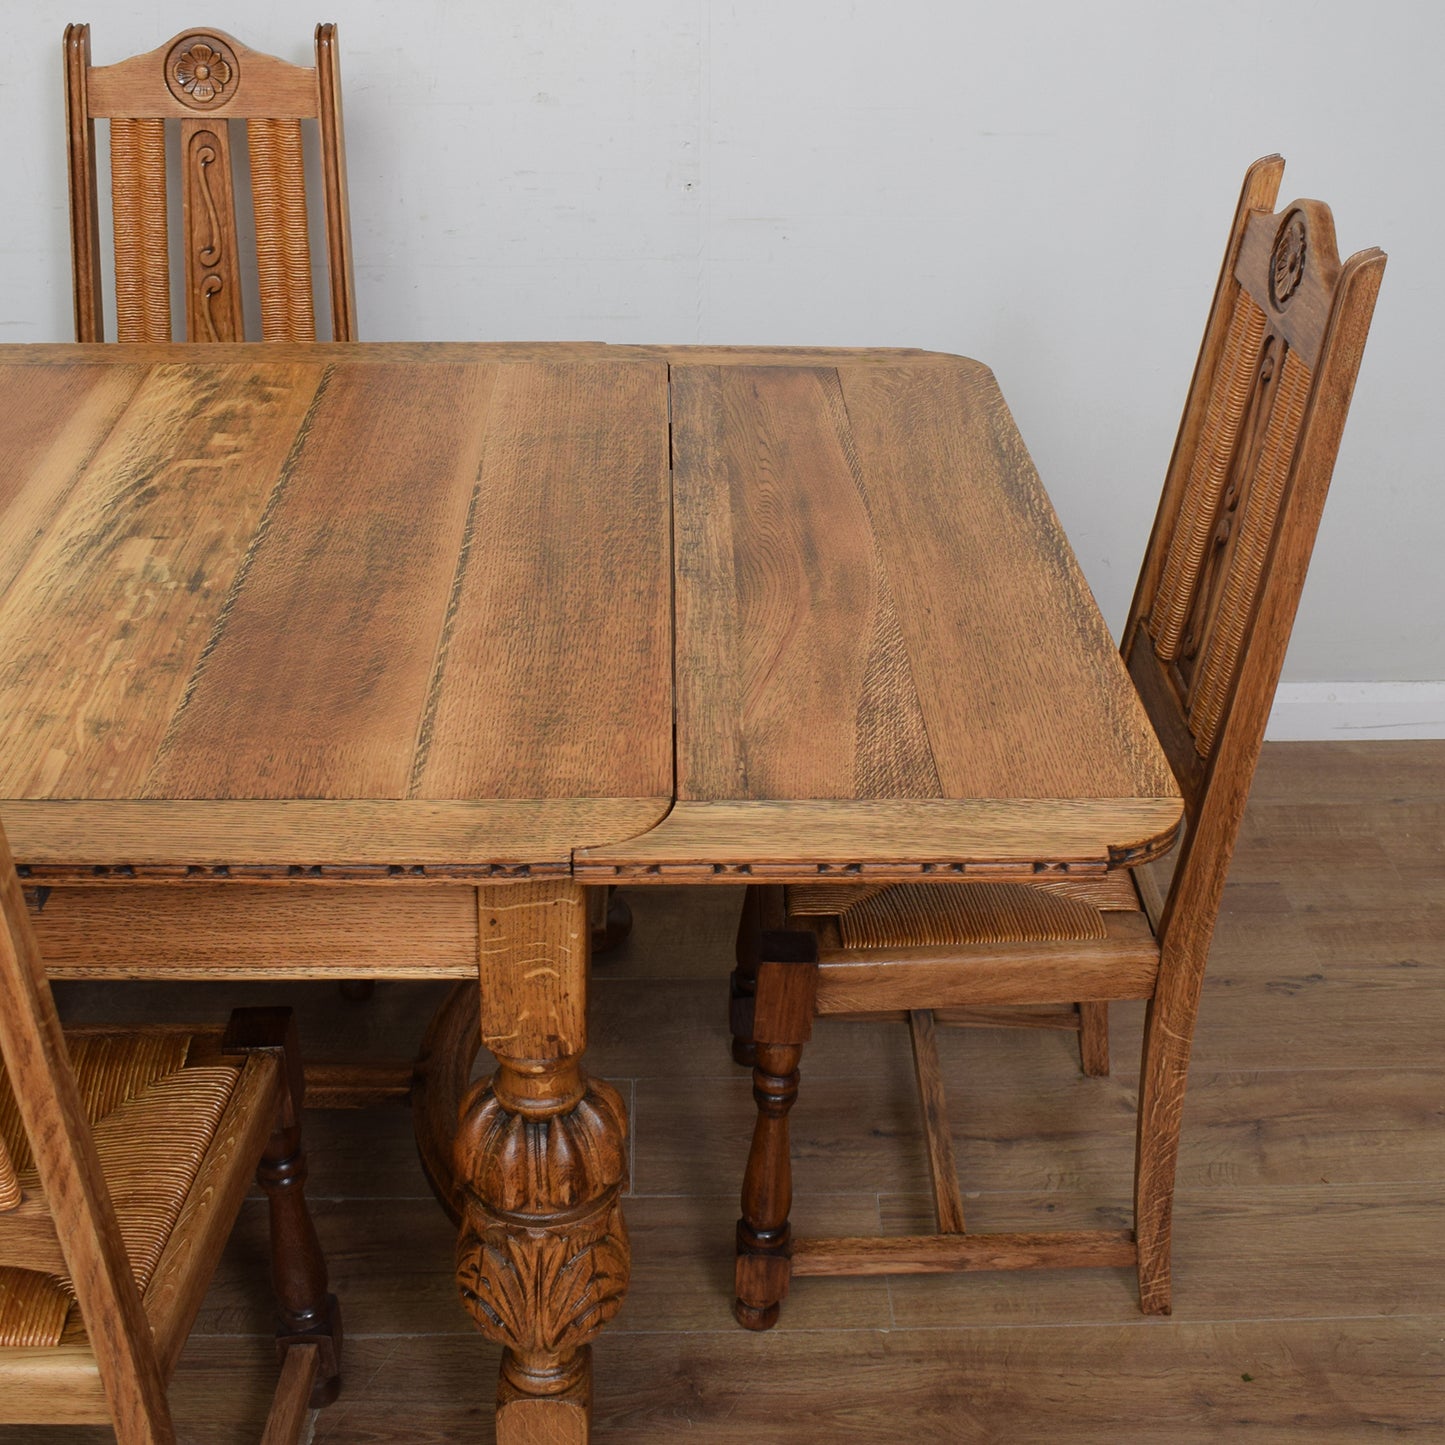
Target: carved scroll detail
205	154
202	72
210	250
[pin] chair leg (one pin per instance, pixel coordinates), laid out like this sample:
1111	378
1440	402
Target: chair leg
764	1235
787	984
1094	1039
310	1316
743	981
1168	1035
763	911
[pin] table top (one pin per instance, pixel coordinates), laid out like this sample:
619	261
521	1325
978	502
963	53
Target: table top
451	610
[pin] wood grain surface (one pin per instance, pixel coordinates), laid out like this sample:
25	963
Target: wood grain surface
218	931
801	837
886	652
418	605
290	838
313	610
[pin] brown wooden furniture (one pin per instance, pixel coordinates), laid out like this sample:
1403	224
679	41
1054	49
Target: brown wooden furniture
297	676
124	1158
1204	643
222	95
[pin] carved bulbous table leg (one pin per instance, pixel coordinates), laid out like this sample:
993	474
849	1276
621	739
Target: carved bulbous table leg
541	1159
449	1050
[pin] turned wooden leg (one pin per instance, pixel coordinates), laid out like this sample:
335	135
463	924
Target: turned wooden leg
787	986
763	908
1168	1034
541	1156
743	981
1094	1039
310	1316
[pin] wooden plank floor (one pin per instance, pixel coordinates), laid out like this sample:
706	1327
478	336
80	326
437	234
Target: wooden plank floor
1310	1233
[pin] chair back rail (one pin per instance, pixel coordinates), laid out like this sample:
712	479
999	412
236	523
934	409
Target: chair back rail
217	94
33	1053
1242	500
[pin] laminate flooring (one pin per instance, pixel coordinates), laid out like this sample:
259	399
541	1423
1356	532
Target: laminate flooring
1309	1251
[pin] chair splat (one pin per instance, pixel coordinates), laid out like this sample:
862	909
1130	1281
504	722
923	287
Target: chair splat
189	108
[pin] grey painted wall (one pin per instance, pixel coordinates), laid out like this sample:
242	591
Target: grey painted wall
1044	185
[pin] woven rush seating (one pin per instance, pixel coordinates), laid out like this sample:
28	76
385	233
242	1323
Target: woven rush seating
862	929
152	1121
125	1156
904	914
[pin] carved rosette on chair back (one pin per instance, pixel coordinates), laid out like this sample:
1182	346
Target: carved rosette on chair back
216	96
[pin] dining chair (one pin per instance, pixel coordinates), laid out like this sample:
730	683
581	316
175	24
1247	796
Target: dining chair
227	99
1204	644
205	81
124	1159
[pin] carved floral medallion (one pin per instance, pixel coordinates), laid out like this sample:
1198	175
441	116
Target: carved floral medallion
1287	264
202	72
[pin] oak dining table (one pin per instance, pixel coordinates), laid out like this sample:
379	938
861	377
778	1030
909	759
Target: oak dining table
378	660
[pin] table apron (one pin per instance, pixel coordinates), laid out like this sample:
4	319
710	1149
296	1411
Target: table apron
237	931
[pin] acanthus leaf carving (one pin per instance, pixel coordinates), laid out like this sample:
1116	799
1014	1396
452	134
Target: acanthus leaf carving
543	1291
542	1257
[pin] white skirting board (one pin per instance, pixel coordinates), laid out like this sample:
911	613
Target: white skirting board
1340	710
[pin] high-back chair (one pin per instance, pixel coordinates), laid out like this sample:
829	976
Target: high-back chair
1204	643
124	1158
221	98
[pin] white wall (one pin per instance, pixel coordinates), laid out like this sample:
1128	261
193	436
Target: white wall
1042	184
